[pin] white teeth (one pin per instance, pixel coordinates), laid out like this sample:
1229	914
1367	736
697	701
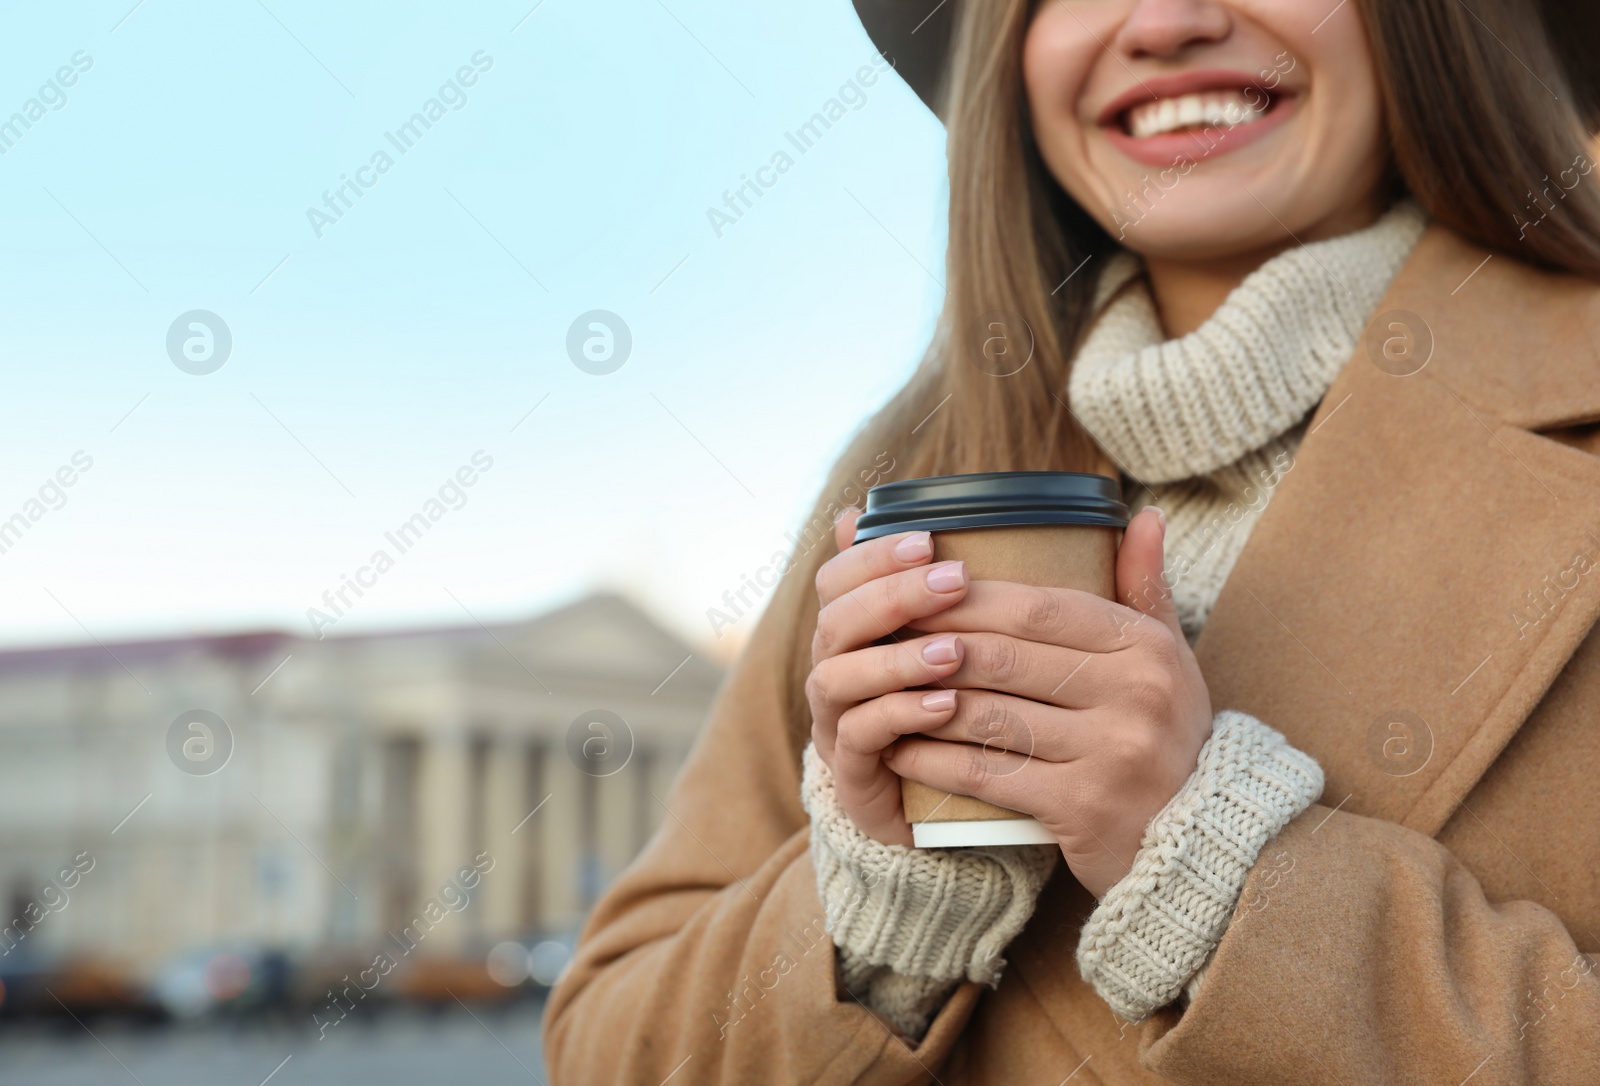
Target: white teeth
1167	114
1216	108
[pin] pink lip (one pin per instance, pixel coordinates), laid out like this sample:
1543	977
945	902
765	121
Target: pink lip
1174	147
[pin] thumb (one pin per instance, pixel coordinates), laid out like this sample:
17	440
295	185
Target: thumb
844	529
1141	584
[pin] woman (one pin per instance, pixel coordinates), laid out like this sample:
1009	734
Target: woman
1318	282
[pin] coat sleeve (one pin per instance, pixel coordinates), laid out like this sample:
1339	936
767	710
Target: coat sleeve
709	959
1364	952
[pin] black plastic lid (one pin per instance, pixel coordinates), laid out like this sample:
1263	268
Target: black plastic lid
992	500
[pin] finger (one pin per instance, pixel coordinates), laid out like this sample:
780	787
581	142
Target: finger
869	792
838	682
1049	674
865	729
880	607
1003	722
855	566
1051	616
868	788
1002	777
875	806
1141	582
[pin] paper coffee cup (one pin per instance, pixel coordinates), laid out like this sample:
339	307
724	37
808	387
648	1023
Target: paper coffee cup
1054	529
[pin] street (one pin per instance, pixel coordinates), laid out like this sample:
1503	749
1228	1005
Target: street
483	1047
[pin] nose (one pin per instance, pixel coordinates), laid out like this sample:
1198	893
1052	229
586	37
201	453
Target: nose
1165	28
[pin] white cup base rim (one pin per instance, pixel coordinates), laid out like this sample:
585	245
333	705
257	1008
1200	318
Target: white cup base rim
1010	831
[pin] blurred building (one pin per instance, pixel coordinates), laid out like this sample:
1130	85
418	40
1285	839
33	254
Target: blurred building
365	775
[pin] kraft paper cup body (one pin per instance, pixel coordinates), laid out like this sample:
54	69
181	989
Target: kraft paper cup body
1048	555
1079	556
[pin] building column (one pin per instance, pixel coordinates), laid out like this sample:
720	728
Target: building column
505	805
561	836
444	846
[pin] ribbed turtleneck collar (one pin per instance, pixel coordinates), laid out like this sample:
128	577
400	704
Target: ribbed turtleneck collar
1172	409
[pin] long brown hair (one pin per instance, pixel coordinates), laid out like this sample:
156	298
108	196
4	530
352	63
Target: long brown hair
1477	137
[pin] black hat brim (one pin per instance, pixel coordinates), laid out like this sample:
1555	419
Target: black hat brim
914	35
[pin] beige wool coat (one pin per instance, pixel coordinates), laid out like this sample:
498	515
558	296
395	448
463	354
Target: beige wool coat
1415	609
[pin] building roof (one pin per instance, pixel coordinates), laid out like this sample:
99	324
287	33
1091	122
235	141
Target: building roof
602	633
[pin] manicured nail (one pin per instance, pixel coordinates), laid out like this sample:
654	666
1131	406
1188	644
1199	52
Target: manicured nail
939	700
948	577
914	547
941	650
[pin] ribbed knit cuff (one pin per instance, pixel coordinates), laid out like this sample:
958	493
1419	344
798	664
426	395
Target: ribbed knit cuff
943	914
1156	928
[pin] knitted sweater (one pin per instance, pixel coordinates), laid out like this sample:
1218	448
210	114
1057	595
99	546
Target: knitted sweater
1205	427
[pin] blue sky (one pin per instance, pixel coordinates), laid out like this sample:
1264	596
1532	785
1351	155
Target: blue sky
369	364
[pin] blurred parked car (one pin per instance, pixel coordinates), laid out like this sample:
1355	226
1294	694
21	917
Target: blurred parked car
240	979
33	985
439	980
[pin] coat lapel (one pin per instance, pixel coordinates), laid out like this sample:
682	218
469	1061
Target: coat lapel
1429	563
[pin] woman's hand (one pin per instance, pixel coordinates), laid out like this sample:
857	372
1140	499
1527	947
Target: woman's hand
858	690
1086	714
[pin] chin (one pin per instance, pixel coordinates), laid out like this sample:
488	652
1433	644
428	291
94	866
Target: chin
1200	225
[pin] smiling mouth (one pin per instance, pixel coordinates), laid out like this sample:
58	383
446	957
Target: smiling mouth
1213	109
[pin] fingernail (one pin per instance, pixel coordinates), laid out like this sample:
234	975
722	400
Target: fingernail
948	577
939	700
914	546
940	650
842	512
1160	515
